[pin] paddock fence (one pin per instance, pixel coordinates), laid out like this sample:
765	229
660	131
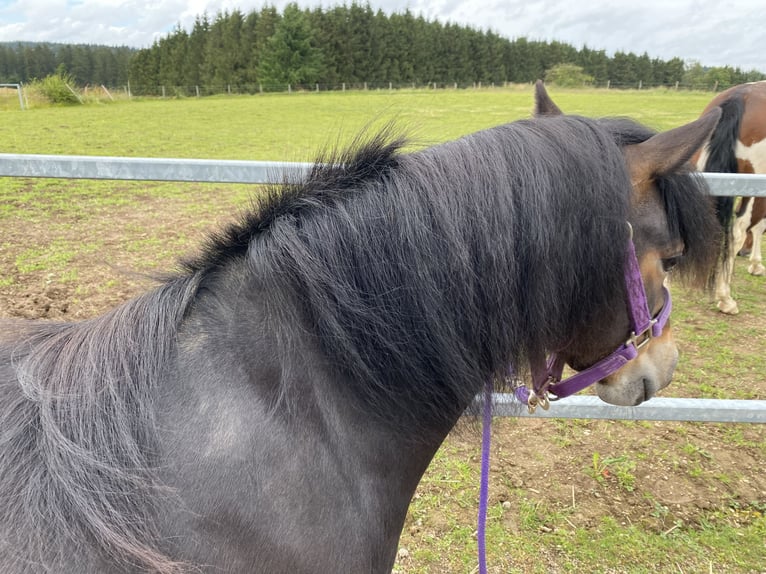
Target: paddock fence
101	92
259	172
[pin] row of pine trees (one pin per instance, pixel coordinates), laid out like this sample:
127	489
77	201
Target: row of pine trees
353	44
94	65
348	45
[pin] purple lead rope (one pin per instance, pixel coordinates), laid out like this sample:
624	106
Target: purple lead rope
484	485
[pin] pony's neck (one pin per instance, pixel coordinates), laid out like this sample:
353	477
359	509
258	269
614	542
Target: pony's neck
283	447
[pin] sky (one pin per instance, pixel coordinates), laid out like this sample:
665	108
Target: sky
710	32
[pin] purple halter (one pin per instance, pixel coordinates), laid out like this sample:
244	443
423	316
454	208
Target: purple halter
547	384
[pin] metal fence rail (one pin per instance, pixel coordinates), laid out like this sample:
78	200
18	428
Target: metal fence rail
656	409
233	171
746	184
147	169
259	172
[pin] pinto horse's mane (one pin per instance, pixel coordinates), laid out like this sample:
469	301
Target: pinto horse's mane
419	274
721	156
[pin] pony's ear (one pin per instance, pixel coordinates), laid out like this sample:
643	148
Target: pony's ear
666	152
544	105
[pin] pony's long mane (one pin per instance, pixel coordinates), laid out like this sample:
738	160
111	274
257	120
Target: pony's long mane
422	274
686	200
78	431
419	275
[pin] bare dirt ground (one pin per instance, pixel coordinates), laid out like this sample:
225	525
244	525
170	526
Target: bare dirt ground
663	476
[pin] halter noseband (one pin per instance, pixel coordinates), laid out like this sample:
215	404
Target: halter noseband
546	382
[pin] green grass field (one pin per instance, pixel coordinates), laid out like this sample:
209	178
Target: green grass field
292	127
566	496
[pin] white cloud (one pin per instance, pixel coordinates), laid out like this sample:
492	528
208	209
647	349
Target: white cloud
712	32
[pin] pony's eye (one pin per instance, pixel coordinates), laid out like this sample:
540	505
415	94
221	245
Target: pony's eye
670	262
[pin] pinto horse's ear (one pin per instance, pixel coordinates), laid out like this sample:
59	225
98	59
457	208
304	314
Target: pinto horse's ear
544	105
666	152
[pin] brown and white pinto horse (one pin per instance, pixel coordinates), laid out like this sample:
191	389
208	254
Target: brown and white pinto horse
738	145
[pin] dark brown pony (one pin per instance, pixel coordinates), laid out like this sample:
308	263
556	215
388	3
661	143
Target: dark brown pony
272	407
738	145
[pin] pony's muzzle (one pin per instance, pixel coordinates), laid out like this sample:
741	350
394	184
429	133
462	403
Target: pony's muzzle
644	376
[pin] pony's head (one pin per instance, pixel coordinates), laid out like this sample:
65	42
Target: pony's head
673	226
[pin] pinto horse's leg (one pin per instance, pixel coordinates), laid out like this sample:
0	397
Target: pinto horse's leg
756	266
747	248
755	233
726	304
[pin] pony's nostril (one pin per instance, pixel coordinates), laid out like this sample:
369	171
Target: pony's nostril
648	389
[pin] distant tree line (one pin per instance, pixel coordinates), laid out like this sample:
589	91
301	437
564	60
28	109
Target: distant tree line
353	44
344	45
87	64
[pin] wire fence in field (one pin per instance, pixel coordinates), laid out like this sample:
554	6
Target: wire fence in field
19	93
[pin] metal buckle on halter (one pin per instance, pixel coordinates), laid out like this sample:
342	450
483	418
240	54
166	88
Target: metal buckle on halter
542	400
641	339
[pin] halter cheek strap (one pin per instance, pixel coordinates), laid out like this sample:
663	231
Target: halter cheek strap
546	381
